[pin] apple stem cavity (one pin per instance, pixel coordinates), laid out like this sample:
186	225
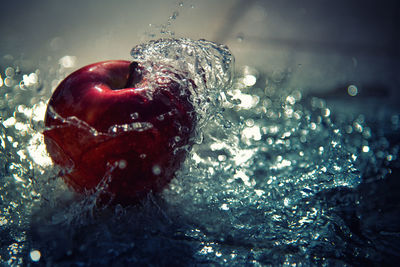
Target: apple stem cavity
134	76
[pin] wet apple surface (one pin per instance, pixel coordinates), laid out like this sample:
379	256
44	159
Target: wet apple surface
114	125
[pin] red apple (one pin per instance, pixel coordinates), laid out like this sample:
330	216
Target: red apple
116	120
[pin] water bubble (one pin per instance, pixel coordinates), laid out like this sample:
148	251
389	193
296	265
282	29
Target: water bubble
352	90
366	133
9	122
349	129
249	122
30	80
227	124
22	85
156	170
221	157
35	255
249	80
290	100
358	127
10	72
134	115
224	206
8	82
325	112
251	133
122	164
67	61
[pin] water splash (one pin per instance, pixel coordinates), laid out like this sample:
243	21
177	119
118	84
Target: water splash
265	183
209	65
165	29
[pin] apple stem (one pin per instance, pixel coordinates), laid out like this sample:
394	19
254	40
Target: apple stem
135	74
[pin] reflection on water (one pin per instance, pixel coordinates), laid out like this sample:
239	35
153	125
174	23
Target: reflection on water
276	177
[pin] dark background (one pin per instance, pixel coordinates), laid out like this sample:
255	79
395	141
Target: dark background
324	44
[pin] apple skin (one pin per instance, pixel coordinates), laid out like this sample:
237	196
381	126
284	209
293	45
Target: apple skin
106	121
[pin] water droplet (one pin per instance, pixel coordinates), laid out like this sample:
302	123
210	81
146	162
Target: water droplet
174	15
134	115
156	170
249	122
221	157
10	72
290	100
67	61
35	255
228	124
249	80
358	127
8	82
224	207
326	112
122	164
352	90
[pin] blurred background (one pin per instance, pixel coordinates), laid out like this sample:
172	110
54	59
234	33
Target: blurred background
323	44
